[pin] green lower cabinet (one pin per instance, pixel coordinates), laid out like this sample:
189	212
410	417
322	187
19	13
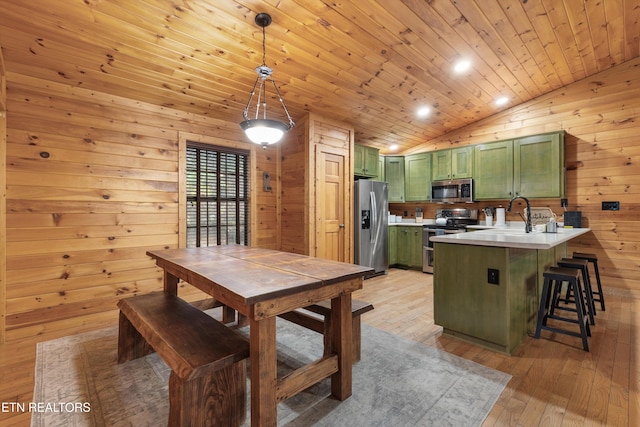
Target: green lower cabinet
393	245
405	246
495	315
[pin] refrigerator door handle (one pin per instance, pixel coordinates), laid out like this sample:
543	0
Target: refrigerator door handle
374	216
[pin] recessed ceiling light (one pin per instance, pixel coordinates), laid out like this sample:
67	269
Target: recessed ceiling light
393	147
502	101
462	66
423	112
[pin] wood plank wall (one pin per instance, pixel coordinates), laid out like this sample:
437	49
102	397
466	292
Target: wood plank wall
92	184
295	172
601	117
3	195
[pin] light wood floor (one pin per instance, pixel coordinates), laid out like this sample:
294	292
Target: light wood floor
555	383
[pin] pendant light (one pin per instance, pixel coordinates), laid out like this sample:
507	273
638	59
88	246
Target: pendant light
259	129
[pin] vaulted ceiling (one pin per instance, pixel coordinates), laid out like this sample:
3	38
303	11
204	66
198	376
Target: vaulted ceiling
366	62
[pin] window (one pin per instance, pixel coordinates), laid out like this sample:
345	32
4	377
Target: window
217	196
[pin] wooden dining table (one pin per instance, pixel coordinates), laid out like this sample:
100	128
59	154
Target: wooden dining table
260	284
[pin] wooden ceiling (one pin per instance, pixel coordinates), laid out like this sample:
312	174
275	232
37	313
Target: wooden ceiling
366	62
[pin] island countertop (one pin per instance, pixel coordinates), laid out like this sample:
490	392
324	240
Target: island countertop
512	237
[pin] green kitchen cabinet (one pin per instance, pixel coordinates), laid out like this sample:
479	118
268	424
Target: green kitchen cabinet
538	166
409	246
417	177
498	315
381	174
415	242
365	161
532	167
394	176
453	163
393	245
493	173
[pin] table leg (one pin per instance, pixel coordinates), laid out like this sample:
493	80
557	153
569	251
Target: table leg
264	375
342	342
170	283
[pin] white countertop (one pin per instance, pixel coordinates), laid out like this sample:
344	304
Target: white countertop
512	237
411	223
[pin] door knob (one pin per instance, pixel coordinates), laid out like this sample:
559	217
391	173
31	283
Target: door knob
341	225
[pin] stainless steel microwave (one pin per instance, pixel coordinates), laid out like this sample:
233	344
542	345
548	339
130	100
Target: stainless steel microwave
452	191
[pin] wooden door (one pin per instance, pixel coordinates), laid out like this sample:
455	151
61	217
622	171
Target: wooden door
332	201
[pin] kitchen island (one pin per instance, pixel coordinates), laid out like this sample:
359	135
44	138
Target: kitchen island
487	283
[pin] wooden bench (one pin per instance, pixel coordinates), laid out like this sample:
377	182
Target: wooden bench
207	385
323	325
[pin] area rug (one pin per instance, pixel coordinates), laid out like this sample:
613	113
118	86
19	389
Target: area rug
398	382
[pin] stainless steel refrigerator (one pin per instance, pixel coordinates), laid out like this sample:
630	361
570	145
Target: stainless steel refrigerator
372	224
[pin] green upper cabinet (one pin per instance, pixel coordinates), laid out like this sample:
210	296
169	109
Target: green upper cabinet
532	167
365	161
538	166
394	175
493	173
381	175
441	164
453	163
462	162
417	177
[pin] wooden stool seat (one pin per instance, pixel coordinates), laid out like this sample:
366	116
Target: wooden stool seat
583	266
553	279
592	258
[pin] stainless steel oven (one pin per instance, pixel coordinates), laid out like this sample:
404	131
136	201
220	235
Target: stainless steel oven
456	222
427	245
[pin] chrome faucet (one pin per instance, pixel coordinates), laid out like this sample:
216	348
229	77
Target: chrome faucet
528	227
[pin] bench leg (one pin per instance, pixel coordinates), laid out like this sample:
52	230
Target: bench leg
356	332
131	344
215	400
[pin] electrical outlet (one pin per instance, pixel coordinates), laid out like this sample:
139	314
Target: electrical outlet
610	206
493	276
564	203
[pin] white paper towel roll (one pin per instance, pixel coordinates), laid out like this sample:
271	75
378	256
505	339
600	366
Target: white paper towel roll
500	217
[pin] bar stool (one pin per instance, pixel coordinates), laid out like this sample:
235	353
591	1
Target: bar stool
553	279
583	266
592	258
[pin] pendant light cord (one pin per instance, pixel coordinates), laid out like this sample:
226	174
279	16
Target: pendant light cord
264	47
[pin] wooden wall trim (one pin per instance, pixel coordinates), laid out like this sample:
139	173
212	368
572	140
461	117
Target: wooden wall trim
3	197
255	181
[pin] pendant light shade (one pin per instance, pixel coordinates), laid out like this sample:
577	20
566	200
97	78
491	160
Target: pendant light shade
260	129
